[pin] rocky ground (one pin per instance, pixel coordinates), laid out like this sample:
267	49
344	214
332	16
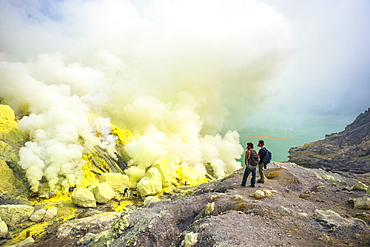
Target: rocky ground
296	206
302	207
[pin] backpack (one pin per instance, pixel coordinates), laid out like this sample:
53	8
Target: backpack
253	159
267	157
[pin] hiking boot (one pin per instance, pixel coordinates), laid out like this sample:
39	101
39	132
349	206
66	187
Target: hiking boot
260	181
253	185
264	166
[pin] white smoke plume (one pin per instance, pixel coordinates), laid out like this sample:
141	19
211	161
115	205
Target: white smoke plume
176	73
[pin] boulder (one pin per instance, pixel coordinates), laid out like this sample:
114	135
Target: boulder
50	213
103	193
331	218
210	207
168	176
359	186
150	199
151	183
284	211
117	181
83	197
301	216
3	229
26	242
260	194
362	202
44	214
38	215
190	239
14	214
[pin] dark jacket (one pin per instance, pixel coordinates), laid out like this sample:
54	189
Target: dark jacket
262	154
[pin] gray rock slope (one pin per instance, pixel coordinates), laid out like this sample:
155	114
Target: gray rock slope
296	207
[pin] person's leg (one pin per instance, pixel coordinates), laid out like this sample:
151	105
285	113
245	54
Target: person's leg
245	176
260	171
254	175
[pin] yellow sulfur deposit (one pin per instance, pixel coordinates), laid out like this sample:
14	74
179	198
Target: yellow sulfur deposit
90	172
120	206
96	164
189	176
124	136
9	130
12	138
66	211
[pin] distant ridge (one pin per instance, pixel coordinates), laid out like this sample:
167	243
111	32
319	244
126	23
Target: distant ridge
347	151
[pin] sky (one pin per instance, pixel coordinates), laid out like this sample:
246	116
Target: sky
182	75
323	71
327	78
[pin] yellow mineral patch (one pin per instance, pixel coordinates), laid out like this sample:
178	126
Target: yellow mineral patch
6	113
120	206
168	176
66	211
4	147
9	182
189	176
90	171
62	201
36	230
124	136
9	130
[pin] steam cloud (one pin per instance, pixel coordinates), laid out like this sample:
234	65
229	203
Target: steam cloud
176	73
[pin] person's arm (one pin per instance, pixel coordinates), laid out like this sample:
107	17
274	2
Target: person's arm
246	156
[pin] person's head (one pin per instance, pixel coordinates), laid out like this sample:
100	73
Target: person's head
261	143
249	145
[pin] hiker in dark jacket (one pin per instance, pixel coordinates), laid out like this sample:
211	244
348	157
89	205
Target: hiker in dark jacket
261	165
249	168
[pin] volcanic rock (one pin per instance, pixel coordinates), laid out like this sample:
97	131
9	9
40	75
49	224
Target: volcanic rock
14	214
117	181
103	193
50	213
219	213
151	183
362	202
13	181
83	197
94	224
26	242
3	229
38	215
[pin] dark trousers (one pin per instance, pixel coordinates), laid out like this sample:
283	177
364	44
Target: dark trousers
247	171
